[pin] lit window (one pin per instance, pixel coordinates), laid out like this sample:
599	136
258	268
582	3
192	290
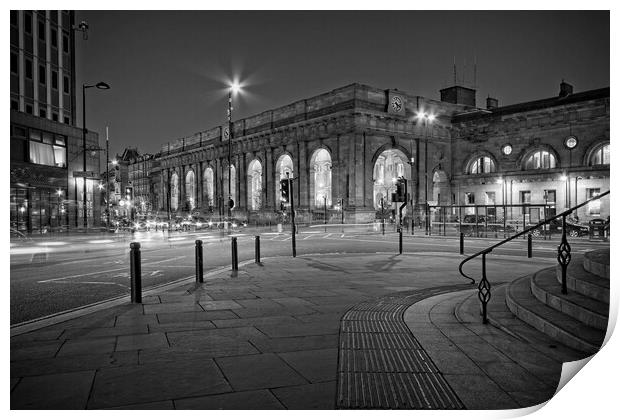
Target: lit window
44	152
470	198
526	197
594	207
600	155
539	159
481	165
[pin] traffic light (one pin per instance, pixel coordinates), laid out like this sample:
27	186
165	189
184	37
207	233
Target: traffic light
401	190
128	193
284	189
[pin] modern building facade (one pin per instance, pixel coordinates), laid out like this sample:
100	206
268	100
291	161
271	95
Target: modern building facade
345	150
46	145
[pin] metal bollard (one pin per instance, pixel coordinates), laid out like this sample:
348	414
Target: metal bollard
235	262
135	272
400	240
462	244
257	249
199	273
529	245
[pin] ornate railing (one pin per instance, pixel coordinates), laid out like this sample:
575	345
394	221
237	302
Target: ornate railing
564	255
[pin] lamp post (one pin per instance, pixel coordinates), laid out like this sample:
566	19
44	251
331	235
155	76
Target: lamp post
426	118
100	85
234	88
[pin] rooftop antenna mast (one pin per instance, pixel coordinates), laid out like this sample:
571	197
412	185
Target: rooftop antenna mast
475	68
455	70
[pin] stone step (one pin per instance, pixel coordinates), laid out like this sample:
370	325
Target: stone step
597	263
500	317
579	280
591	312
557	325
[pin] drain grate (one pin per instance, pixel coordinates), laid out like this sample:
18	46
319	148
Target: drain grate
382	365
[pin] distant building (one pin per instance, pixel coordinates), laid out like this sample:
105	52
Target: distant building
46	145
346	148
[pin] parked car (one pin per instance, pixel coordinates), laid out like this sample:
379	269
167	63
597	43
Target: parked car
573	228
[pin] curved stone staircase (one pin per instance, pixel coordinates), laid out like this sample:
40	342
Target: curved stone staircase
577	319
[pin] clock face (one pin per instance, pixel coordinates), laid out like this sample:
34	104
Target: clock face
507	149
570	142
397	103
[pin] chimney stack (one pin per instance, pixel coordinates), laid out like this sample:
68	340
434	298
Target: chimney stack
565	89
492	103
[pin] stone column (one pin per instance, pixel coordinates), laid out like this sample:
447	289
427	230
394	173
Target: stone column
270	179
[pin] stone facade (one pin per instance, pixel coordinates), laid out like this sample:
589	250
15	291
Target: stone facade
369	133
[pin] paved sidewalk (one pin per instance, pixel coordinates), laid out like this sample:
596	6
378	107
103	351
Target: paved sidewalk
267	338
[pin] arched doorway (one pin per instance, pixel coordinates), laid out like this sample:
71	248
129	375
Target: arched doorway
190	191
321	177
284	165
208	187
255	185
389	166
441	188
174	192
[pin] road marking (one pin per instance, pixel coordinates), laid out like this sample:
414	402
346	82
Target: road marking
156	272
80	275
162	261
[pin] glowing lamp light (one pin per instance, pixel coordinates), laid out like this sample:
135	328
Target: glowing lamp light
122	202
431	117
22	209
563	178
235	87
114	162
499	181
59	192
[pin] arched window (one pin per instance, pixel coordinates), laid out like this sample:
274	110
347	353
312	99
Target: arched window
208	186
539	159
321	164
190	190
600	155
255	184
174	192
481	165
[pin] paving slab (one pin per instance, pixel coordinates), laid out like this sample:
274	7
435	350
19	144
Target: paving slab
314	365
155	382
60	364
62	391
318	396
87	345
268	371
142	341
247	400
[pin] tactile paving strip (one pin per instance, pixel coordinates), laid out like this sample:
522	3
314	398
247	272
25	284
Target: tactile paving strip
382	365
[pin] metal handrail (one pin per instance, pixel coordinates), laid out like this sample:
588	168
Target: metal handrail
484	287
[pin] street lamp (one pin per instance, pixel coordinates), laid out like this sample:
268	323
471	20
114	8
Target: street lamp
426	117
103	86
234	88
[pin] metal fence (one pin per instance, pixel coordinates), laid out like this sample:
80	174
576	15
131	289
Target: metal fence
493	221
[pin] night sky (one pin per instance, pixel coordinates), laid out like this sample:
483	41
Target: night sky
169	70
